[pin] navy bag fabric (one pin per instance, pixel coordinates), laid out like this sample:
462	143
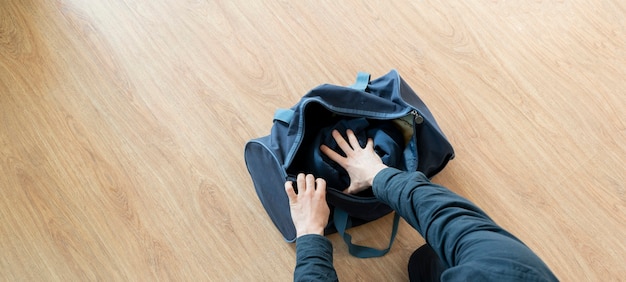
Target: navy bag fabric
368	107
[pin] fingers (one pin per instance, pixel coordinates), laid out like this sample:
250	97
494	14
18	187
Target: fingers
341	142
370	144
346	147
320	186
332	154
310	183
301	180
351	144
307	183
352	138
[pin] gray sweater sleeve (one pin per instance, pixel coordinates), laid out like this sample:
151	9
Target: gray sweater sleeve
314	259
467	241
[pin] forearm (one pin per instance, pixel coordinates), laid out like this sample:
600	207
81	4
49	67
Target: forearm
431	209
461	234
314	259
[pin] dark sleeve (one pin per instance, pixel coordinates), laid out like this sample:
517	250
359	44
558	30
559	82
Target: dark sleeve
468	242
314	259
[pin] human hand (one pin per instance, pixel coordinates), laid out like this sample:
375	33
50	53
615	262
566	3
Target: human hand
309	210
362	164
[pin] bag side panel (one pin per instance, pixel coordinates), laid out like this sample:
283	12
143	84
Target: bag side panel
268	177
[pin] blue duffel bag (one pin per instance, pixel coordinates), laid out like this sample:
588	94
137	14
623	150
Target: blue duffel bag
405	134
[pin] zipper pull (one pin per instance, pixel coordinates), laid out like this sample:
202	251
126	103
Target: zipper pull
417	118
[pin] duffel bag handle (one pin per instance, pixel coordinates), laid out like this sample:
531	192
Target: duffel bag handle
342	222
284	115
362	81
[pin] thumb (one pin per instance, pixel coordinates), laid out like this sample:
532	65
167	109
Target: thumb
350	189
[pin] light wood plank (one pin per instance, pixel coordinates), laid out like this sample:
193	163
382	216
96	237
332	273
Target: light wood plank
123	125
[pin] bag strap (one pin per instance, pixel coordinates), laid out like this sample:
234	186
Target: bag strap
342	222
362	80
284	115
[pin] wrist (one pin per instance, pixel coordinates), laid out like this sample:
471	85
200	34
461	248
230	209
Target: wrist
310	231
375	170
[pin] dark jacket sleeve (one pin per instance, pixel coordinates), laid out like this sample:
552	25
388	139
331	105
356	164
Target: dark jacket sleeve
468	242
314	259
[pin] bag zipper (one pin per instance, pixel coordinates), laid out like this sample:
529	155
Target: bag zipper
417	118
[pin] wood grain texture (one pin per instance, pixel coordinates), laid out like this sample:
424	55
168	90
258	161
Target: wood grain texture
122	126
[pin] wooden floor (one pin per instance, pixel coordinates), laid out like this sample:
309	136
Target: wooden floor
122	127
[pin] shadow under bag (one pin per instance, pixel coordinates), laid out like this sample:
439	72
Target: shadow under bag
405	134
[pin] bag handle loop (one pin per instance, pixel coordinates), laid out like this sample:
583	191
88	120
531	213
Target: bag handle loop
342	222
284	115
362	80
